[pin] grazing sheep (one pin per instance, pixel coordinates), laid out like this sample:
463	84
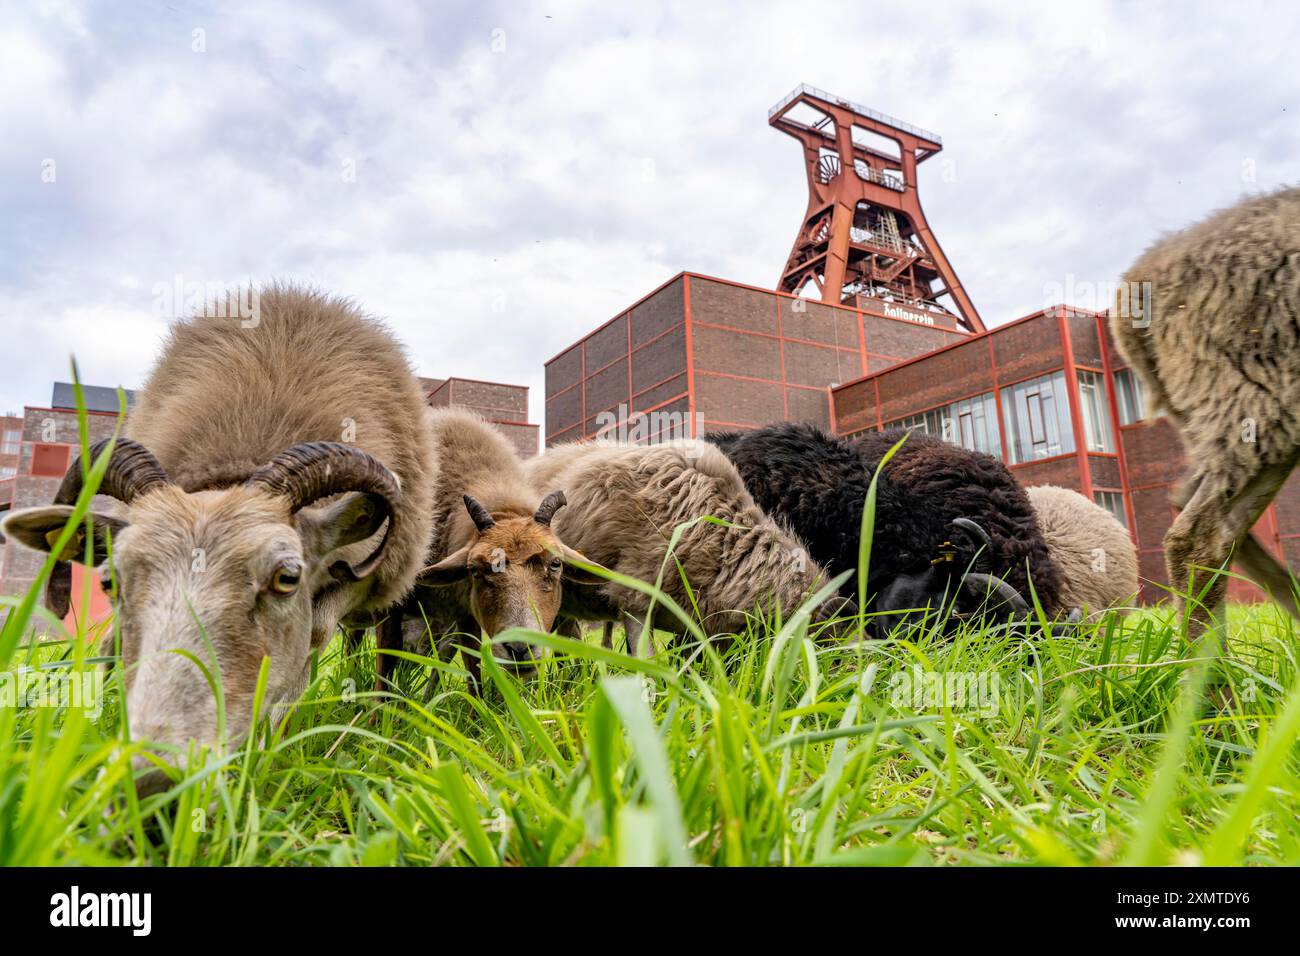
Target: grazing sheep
930	494
1095	553
495	561
625	502
1216	345
246	524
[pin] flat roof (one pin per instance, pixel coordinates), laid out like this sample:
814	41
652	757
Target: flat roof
687	274
98	398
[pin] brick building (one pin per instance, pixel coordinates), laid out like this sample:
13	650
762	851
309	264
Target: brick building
505	406
48	441
726	355
871	327
1050	395
1047	393
11	446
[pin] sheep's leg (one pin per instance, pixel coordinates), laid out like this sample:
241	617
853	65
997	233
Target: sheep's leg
474	665
388	636
633	628
446	649
1219	514
607	637
571	628
1259	565
1265	570
1183	491
352	637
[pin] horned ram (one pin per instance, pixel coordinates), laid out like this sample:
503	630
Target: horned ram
275	479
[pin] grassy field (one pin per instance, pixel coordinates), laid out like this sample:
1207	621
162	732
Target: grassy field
1100	745
1093	748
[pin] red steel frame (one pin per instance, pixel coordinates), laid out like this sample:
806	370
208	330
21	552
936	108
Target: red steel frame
823	246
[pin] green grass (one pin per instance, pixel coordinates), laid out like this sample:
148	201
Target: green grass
816	757
1093	746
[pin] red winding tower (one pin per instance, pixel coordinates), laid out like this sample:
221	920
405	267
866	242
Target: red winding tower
865	235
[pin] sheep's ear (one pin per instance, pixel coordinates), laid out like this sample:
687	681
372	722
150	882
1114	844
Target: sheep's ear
352	518
453	568
39	529
575	574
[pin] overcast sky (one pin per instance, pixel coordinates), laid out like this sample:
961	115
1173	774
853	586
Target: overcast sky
497	179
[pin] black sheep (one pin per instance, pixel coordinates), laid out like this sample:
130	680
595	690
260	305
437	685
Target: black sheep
930	493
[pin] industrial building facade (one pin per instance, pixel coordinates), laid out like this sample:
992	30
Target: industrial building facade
725	355
1048	394
868	328
505	406
48	441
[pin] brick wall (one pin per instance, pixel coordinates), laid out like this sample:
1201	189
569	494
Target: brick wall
635	362
505	406
746	357
47	433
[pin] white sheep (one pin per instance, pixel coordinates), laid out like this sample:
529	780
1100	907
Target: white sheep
1094	552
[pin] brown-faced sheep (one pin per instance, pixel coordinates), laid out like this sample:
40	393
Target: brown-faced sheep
1094	551
1216	343
625	502
495	561
276	479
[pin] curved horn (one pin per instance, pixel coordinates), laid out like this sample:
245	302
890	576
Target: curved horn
314	470
483	520
980	585
131	472
550	504
978	532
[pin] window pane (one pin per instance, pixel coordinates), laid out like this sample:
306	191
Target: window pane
1096	414
1037	422
1112	501
1128	394
971	423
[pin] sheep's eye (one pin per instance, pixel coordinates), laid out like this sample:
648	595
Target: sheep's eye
285	579
556	566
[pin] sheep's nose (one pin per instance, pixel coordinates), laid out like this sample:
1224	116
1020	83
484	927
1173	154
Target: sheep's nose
519	650
152	780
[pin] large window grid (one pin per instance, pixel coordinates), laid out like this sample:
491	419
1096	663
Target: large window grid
971	423
1036	414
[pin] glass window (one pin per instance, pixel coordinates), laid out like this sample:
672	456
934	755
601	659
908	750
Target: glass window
8	472
1112	501
971	423
1037	417
13	442
1128	393
1096	413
